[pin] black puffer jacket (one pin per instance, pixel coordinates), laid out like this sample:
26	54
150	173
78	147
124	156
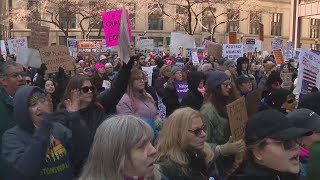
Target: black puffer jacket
193	98
170	100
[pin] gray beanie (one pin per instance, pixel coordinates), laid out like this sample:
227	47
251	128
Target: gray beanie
216	78
229	63
175	69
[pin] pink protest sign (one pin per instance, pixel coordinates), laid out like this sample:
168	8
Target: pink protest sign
111	23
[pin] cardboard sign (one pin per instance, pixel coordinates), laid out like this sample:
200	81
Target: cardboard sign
145	44
179	43
215	50
261	32
278	56
56	56
162	109
29	57
233	51
276	43
238	117
16	44
111	23
232	37
39	36
182	88
286	80
195	59
253	100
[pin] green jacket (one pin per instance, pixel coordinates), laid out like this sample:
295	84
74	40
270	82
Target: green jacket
313	164
6	120
218	127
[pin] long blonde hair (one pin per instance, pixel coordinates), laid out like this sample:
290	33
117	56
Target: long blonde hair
173	141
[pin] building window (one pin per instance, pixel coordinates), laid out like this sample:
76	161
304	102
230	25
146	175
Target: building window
314	28
67	20
255	19
33	6
207	18
63	40
132	14
181	18
155	17
233	20
276	24
168	39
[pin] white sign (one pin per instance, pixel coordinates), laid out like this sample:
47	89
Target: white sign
3	49
276	43
106	84
180	42
124	39
29	57
258	45
72	45
145	44
149	71
16	44
308	75
233	51
195	59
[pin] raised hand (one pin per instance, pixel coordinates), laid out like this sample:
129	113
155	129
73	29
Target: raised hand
73	104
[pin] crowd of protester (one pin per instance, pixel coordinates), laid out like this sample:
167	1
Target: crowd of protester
102	121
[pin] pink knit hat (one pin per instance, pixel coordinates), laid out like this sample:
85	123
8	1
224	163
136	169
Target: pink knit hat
98	66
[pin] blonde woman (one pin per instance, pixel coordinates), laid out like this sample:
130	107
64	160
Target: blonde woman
183	151
121	150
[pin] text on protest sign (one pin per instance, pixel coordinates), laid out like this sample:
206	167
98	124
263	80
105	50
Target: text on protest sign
111	23
182	88
56	56
278	56
286	80
276	43
16	44
250	45
232	51
238	117
39	36
195	59
179	43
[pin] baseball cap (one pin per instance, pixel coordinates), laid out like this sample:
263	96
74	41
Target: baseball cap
305	118
272	124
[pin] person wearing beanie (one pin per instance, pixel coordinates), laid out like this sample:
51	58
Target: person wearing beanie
230	68
244	85
242	66
279	99
39	147
110	74
219	90
99	76
194	97
170	97
103	59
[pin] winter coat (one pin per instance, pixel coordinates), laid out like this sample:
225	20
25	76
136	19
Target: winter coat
313	164
193	98
197	168
6	121
46	153
170	100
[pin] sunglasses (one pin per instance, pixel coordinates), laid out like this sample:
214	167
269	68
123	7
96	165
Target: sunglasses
198	131
290	144
87	88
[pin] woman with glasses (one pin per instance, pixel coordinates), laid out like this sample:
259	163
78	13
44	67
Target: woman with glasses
230	68
183	152
219	93
272	151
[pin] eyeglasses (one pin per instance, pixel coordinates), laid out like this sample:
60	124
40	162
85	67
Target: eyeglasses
226	84
86	89
15	75
198	131
289	144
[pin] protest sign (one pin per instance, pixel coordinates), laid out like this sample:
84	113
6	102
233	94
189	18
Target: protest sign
195	59
124	39
253	100
56	56
162	109
106	84
182	89
111	23
3	49
233	51
278	56
286	80
238	117
39	36
250	45
29	57
265	54
180	65
72	44
215	50
232	37
148	71
308	75
258	45
276	43
145	44
261	32
180	42
16	44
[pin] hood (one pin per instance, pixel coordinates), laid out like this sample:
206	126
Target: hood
194	79
20	102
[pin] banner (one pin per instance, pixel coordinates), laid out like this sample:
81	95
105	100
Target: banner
145	44
278	56
182	89
238	117
16	44
232	37
286	80
39	36
180	42
276	43
111	23
56	56
261	32
232	51
308	75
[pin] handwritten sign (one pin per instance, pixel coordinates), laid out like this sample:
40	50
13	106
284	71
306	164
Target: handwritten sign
276	43
16	44
238	117
232	37
195	58
111	23
182	88
253	100
56	56
39	36
233	51
278	56
162	109
286	80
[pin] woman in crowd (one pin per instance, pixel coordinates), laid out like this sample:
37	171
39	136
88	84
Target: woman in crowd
170	98
218	94
242	66
244	85
161	81
121	150
230	68
99	76
280	99
272	151
183	152
50	91
194	97
284	68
